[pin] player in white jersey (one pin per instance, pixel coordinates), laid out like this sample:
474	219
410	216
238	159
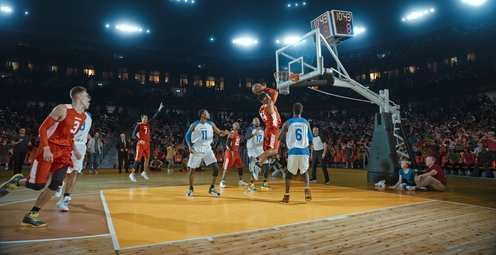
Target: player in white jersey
255	144
80	140
298	137
199	138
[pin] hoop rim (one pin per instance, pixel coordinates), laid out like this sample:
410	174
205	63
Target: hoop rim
278	74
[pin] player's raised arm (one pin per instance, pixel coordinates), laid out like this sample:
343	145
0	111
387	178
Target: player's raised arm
218	131
273	94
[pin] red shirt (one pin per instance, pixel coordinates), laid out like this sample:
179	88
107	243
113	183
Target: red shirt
273	120
491	146
144	131
62	133
236	140
439	175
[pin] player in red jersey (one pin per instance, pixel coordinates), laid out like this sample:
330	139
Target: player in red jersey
232	157
142	134
54	154
270	116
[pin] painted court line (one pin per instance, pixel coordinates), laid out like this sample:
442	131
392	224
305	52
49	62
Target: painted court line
53	239
115	241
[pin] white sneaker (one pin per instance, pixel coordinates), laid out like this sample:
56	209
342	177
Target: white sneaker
63	204
58	192
223	184
410	187
132	177
242	183
145	175
328	183
380	184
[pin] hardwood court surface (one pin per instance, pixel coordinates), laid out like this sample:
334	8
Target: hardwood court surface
348	217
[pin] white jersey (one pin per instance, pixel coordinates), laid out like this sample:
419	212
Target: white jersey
202	136
82	135
256	141
298	136
318	145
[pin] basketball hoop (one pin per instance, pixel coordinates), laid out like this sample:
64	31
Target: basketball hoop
282	77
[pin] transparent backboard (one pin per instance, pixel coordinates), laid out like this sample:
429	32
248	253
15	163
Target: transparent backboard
303	57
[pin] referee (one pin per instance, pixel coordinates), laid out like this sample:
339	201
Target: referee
317	154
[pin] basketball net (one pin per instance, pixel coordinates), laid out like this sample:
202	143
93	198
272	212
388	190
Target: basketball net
282	78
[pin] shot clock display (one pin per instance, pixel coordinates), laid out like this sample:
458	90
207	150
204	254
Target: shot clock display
336	24
343	23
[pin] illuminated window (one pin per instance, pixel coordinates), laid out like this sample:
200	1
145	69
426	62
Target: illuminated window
451	61
410	69
210	83
123	74
432	66
374	75
154	77
364	76
89	72
198	81
166	79
12	65
183	80
33	67
221	84
140	78
471	57
54	69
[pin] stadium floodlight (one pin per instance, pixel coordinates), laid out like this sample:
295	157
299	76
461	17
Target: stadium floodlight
474	2
358	30
291	39
417	14
5	9
245	41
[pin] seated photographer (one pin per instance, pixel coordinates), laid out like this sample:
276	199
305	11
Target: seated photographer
156	164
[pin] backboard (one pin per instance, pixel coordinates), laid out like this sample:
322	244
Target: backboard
303	57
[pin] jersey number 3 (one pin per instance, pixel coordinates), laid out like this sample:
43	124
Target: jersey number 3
76	126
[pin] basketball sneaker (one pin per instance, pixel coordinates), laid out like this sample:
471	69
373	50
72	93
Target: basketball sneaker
380	184
10	185
410	187
313	181
63	204
242	183
213	192
190	192
308	195
252	188
265	185
285	199
223	184
132	177
31	220
145	175
58	192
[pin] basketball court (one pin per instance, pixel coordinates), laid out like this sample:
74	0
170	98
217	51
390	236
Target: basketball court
108	213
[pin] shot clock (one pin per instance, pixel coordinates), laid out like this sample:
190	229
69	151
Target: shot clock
336	26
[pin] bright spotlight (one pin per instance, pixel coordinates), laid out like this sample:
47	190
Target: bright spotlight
417	14
6	9
289	5
358	30
291	39
26	13
474	2
148	30
107	25
277	41
245	41
432	9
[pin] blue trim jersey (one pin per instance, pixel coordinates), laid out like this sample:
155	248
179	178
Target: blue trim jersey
256	141
82	135
298	137
203	136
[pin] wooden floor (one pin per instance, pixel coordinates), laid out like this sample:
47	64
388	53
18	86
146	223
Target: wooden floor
111	215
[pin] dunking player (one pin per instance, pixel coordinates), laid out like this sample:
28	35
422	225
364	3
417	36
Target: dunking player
254	144
199	138
269	114
232	157
54	154
298	138
142	134
80	140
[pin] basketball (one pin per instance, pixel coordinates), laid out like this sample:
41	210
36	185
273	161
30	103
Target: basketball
257	88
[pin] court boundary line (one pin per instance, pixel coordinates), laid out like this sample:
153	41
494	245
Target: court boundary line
113	235
52	239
